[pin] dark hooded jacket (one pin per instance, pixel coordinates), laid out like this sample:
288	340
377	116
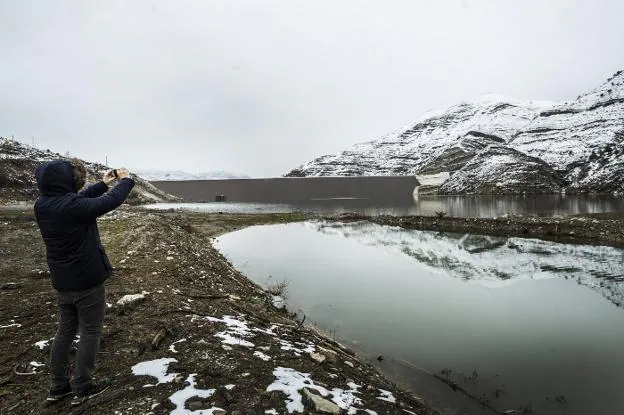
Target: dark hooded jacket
67	221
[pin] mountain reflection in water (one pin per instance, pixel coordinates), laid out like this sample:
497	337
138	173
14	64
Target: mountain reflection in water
521	323
492	261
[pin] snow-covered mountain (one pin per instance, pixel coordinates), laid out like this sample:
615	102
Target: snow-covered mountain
492	261
501	145
18	163
165	175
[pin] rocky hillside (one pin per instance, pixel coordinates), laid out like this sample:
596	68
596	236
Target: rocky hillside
18	163
548	147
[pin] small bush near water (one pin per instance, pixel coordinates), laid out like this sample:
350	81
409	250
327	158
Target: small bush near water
278	288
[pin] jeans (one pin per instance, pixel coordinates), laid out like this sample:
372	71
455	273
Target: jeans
82	310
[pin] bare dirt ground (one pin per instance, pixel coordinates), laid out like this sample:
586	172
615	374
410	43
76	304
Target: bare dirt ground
188	289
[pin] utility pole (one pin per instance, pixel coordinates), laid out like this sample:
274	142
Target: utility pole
106	157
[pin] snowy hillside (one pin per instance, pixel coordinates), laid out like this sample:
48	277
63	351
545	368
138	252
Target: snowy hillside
164	175
578	145
18	163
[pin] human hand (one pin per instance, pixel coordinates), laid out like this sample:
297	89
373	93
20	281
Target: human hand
122	173
109	176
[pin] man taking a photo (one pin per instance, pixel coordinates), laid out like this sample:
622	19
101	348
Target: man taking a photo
66	216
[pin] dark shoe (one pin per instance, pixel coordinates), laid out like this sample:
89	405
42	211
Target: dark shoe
92	391
59	394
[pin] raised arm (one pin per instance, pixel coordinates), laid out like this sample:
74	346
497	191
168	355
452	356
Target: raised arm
95	190
87	209
100	187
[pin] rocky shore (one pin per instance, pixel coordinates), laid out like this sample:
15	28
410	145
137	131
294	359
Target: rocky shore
184	332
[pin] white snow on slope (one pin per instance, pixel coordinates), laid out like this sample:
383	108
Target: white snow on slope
386	396
172	348
290	382
563	135
42	344
262	356
155	368
180	397
131	298
237	330
408	150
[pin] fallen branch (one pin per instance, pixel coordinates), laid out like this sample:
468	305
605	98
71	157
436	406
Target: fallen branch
454	386
22	373
300	324
181	310
160	336
208	297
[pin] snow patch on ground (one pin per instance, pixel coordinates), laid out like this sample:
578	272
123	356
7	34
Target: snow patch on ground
237	330
278	302
34	365
233	340
234	325
386	396
290	382
180	397
172	348
131	298
156	368
262	356
299	349
42	344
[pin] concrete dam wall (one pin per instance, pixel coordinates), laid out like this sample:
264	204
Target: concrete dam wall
395	189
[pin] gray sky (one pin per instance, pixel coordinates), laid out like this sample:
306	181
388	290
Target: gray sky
259	87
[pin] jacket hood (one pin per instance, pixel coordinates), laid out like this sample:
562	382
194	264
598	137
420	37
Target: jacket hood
55	178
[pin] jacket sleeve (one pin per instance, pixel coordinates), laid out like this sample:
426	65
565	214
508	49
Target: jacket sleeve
87	209
95	190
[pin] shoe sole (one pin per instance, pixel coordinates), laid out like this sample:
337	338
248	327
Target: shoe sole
58	398
79	401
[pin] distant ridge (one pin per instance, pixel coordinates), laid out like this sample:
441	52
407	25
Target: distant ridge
501	145
166	175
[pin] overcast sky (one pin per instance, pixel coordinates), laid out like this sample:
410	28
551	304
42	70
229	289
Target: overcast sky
260	87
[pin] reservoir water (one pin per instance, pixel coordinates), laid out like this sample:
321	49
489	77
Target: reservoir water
457	206
520	324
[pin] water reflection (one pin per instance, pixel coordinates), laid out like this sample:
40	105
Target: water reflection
494	261
457	206
524	324
489	206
